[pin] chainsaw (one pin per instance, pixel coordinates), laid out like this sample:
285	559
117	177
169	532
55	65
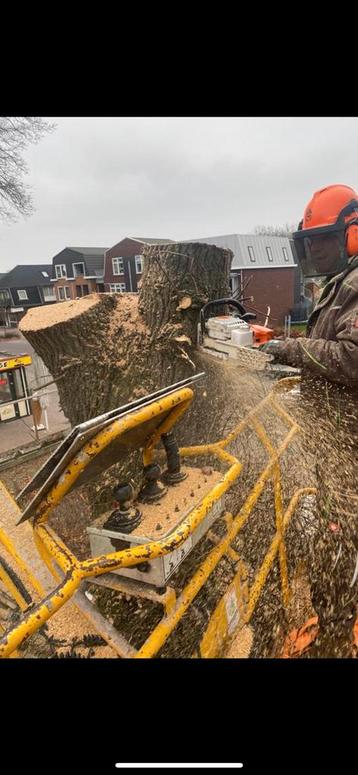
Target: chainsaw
235	337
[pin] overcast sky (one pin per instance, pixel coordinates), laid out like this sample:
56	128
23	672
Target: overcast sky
97	180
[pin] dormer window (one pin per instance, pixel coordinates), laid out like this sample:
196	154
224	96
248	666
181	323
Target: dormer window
61	271
78	269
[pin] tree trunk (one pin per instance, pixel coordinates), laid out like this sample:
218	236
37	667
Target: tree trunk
104	350
177	281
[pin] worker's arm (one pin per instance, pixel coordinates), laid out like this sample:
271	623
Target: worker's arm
337	361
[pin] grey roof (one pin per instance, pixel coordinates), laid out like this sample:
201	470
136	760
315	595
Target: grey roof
152	240
239	244
92	257
89	251
94	264
26	275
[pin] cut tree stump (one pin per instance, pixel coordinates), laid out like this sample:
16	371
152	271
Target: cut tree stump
105	350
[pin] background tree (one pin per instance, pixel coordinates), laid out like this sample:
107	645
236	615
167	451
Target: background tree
16	134
276	231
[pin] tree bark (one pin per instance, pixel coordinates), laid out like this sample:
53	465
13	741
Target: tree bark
178	280
105	350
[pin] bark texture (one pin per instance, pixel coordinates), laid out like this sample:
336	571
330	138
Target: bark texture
105	350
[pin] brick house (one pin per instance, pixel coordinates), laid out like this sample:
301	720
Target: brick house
123	264
25	286
77	272
263	267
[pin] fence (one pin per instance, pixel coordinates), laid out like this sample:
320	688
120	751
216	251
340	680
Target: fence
36	405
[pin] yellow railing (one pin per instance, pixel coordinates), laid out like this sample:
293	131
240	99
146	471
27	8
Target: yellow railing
54	552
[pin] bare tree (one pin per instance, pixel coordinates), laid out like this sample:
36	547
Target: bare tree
16	134
276	231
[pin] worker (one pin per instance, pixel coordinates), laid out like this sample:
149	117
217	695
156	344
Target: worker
327	247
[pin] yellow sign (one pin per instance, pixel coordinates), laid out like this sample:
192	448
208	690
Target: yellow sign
11	363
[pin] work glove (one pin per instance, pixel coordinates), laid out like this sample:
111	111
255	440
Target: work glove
273	347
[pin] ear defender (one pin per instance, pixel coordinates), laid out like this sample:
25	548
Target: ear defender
352	239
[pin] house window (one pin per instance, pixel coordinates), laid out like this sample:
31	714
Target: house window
78	269
64	293
118	266
49	293
22	295
4	297
139	264
82	290
269	253
251	253
45	274
117	288
61	270
285	254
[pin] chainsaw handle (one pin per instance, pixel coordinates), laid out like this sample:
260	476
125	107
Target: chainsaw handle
223	302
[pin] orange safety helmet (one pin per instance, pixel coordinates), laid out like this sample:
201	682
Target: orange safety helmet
332	212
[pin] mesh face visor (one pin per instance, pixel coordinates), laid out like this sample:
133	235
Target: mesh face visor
321	251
